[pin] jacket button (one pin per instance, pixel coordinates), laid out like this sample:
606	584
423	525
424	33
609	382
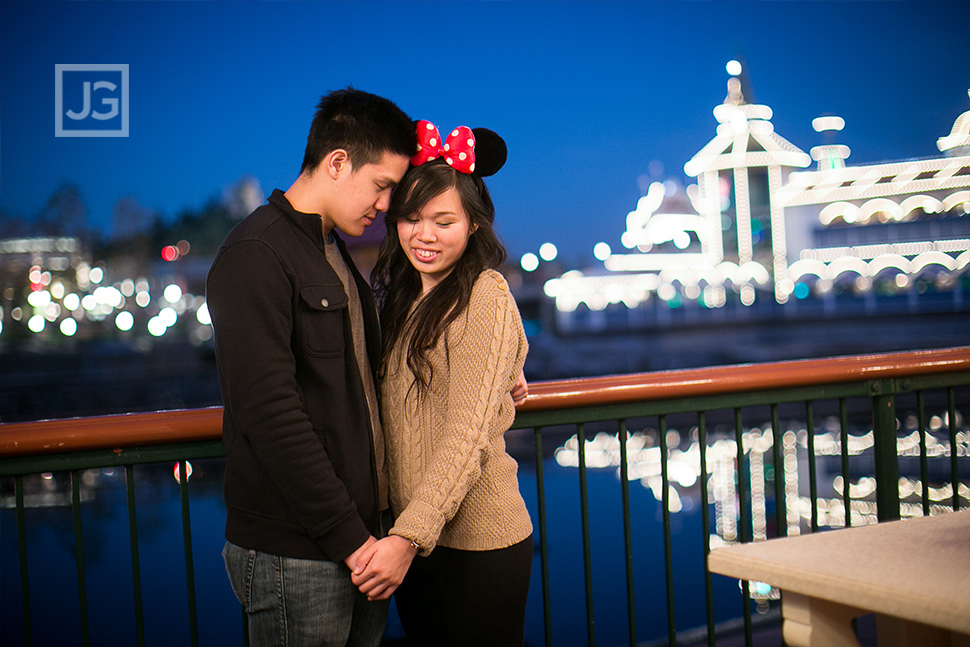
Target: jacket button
324	303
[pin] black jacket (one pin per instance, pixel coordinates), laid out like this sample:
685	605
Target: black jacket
300	474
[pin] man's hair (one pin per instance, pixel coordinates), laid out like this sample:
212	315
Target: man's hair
363	124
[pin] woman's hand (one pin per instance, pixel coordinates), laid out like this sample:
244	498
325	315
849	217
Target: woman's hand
520	390
381	566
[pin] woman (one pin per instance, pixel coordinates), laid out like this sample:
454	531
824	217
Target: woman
453	350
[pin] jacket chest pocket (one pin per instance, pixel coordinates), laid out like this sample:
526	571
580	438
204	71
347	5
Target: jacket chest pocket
322	316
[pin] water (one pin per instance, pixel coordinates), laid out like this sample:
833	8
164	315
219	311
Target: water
54	589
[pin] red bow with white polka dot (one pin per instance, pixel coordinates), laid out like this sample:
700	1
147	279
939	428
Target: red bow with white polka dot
458	150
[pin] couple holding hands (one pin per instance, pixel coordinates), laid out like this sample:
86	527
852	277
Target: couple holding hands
364	428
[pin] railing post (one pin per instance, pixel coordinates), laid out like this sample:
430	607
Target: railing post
884	447
543	541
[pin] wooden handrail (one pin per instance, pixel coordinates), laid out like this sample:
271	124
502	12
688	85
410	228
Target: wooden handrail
638	387
138	429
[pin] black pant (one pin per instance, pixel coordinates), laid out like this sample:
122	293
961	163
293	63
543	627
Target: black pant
461	598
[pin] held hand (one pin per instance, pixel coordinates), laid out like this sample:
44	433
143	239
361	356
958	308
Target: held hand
352	559
382	566
520	390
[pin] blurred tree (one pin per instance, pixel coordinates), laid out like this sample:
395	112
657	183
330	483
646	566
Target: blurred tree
65	214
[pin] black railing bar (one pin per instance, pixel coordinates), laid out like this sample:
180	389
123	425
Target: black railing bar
22	545
135	562
885	450
743	535
812	476
587	549
543	543
79	556
706	526
951	424
690	405
101	458
668	557
923	463
777	456
844	451
189	564
627	531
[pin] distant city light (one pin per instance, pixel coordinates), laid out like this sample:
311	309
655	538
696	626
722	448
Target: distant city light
822	124
733	68
156	327
143	299
529	262
170	253
96	275
602	251
172	293
168	317
69	327
202	314
36	323
548	252
124	321
39	299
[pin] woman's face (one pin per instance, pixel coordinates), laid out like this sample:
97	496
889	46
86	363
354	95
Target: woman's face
435	237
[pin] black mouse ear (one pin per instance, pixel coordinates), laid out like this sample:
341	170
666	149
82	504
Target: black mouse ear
490	152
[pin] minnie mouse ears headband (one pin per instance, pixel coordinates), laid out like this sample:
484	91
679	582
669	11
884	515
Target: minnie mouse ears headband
467	150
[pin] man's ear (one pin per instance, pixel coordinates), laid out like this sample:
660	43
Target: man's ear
337	162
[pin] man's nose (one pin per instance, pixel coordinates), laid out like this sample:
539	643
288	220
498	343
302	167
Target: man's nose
383	202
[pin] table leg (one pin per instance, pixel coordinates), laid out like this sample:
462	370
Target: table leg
811	622
896	632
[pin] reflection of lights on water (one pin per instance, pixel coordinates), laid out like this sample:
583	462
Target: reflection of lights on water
683	468
177	472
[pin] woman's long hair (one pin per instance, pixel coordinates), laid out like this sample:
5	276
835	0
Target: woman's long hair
397	285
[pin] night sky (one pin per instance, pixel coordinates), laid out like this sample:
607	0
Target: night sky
593	98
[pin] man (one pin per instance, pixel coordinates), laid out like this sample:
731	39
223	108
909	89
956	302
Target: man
297	347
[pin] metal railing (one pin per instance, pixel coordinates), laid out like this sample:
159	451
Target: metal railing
741	439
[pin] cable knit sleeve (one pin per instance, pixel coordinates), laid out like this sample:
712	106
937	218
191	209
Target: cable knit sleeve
485	349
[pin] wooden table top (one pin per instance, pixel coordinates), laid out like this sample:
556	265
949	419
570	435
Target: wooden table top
916	569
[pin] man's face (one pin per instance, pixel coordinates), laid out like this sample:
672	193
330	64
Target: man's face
364	192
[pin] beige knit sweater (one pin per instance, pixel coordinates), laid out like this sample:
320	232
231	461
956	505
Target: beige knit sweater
452	482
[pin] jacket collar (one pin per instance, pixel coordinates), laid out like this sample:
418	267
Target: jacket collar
308	223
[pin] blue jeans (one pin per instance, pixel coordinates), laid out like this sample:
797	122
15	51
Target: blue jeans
295	602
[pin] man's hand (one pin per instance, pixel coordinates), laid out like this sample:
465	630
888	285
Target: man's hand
381	567
520	390
351	561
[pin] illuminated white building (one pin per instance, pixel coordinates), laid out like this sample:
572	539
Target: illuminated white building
759	220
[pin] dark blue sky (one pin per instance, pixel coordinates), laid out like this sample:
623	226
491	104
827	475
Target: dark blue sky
587	94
